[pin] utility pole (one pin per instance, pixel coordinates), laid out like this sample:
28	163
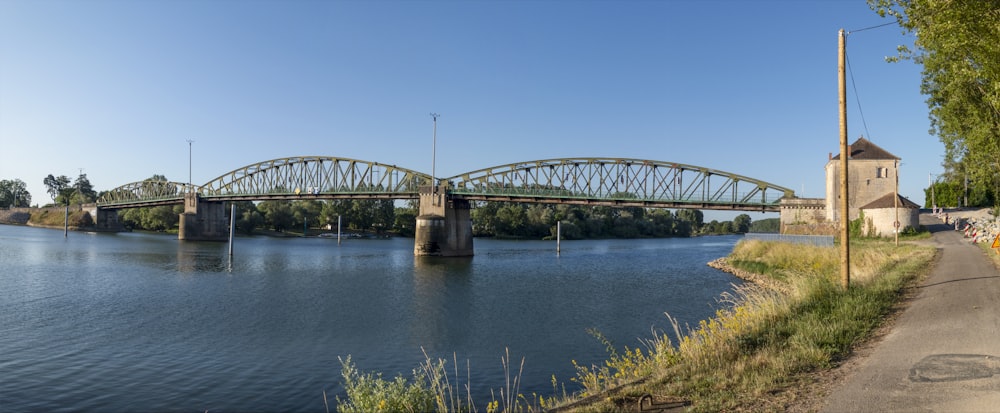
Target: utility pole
845	242
933	201
895	200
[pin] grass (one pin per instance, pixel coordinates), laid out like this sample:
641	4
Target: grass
765	341
56	217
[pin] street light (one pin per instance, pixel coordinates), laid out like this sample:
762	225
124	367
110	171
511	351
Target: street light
434	116
189	141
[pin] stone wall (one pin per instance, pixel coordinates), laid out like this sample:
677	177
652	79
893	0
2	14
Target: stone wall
15	216
805	216
879	221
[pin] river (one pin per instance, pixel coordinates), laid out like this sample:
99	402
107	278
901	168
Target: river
143	322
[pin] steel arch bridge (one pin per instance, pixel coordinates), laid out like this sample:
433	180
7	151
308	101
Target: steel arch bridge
587	181
144	194
322	177
619	182
301	177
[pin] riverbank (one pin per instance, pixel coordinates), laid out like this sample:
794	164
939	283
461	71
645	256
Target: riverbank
722	264
771	345
53	218
777	339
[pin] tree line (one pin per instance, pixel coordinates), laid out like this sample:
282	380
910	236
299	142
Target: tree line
14	194
489	219
537	221
958	45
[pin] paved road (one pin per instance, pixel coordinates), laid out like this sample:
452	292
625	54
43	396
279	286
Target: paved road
943	354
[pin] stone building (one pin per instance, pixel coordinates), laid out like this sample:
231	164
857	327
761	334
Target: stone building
871	185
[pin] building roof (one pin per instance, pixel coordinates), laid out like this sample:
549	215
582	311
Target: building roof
865	149
887	202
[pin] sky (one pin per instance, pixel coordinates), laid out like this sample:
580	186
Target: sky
116	88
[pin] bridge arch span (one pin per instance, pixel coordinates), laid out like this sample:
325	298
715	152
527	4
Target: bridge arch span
144	193
315	176
619	182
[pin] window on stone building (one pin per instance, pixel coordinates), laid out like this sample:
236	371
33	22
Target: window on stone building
881	172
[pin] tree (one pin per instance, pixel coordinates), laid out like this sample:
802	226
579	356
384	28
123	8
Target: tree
277	214
406	221
14	193
958	44
769	225
83	191
694	217
741	224
56	186
247	217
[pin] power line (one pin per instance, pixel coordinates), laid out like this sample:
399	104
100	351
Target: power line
857	98
869	28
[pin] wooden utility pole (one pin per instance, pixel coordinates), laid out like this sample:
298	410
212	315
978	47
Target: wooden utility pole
895	199
845	242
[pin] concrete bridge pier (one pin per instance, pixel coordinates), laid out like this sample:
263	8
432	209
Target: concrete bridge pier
444	226
203	220
105	220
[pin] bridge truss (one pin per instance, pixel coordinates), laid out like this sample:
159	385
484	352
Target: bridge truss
584	181
144	193
619	182
320	177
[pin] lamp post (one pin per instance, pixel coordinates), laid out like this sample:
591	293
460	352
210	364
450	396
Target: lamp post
434	116
189	141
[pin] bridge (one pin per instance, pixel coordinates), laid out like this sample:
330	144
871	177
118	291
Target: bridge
444	224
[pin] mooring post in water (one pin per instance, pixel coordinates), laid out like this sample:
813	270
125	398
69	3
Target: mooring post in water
232	227
66	223
558	236
338	230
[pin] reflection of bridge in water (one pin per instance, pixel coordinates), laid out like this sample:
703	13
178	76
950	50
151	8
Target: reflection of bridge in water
444	226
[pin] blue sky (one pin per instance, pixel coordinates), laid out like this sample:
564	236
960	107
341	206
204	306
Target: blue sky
749	87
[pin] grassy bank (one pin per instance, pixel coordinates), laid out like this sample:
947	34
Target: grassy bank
753	354
767	341
56	218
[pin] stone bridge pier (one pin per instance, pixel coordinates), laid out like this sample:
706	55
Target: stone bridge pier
444	226
105	220
203	220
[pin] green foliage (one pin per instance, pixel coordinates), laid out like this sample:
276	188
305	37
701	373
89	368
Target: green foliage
369	392
14	193
958	45
770	225
56	186
360	214
741	224
953	194
537	221
248	218
406	221
158	218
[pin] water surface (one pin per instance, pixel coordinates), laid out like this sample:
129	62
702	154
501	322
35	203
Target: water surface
143	322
